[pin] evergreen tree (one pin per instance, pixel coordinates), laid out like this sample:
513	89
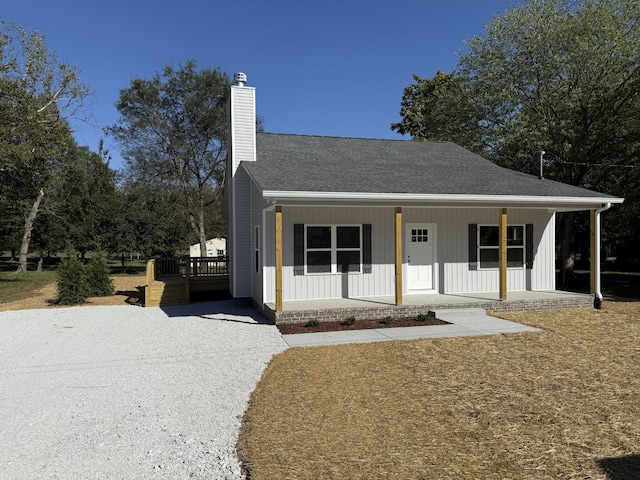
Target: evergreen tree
73	287
98	276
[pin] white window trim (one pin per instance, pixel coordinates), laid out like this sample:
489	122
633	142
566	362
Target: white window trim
522	247
334	249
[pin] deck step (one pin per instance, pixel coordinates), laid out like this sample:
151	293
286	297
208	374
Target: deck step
161	293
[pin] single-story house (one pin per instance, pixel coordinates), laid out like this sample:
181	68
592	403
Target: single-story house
216	247
314	217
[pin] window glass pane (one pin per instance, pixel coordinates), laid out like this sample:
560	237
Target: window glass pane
348	237
489	258
348	261
319	262
515	236
318	237
488	236
515	257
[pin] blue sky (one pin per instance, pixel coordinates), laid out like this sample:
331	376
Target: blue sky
333	68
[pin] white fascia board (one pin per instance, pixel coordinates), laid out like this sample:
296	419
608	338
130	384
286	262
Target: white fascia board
409	197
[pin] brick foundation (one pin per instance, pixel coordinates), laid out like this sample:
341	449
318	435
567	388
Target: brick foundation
337	314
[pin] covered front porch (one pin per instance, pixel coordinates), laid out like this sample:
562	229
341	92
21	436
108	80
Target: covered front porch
379	307
454	263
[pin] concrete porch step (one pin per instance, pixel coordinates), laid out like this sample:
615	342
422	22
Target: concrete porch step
444	313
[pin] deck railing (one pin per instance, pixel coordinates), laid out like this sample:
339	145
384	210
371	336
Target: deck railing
208	266
191	267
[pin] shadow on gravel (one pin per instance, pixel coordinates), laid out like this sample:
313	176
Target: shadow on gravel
238	311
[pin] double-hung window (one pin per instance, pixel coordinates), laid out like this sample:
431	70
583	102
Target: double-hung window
488	246
319	249
333	248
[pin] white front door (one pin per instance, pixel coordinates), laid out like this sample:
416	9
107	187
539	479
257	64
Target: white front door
420	248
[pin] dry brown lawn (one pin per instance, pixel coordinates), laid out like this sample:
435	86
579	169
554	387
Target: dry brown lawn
128	291
562	404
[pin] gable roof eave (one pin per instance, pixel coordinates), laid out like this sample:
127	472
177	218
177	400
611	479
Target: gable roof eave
445	199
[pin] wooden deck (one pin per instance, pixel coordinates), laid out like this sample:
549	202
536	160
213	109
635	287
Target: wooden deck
173	281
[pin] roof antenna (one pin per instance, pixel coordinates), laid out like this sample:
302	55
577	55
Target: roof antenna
541	164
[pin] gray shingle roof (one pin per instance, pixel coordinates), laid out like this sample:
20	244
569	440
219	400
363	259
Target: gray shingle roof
298	163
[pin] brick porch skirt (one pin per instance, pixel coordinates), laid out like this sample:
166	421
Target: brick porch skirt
381	311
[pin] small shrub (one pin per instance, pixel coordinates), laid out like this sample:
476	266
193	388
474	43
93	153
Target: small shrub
422	317
386	320
312	323
73	287
349	320
98	276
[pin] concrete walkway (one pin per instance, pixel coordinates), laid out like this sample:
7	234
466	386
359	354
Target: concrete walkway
463	323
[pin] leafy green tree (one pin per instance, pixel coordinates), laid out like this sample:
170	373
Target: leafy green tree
10	225
555	75
49	235
440	109
155	221
172	132
38	94
86	200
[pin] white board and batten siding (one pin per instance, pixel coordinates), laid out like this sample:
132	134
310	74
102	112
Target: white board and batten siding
453	249
317	286
452	262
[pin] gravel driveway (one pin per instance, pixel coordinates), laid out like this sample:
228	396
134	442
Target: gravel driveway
128	392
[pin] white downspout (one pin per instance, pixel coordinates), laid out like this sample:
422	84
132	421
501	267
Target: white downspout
597	301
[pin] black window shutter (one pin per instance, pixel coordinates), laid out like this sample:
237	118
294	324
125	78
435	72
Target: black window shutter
473	246
529	245
366	248
298	249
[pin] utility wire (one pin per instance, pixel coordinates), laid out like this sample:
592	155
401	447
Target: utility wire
547	161
551	160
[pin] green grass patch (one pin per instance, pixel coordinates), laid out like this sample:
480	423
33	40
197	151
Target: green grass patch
14	288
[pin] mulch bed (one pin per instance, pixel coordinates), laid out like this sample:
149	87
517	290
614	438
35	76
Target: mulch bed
291	328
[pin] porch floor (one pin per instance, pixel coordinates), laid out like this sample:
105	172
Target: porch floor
338	308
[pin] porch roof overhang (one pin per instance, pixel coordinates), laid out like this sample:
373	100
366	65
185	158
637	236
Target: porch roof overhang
441	200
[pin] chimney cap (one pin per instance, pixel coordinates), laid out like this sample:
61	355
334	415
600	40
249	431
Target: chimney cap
239	79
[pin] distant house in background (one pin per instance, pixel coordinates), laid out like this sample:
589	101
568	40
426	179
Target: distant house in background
216	247
327	218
